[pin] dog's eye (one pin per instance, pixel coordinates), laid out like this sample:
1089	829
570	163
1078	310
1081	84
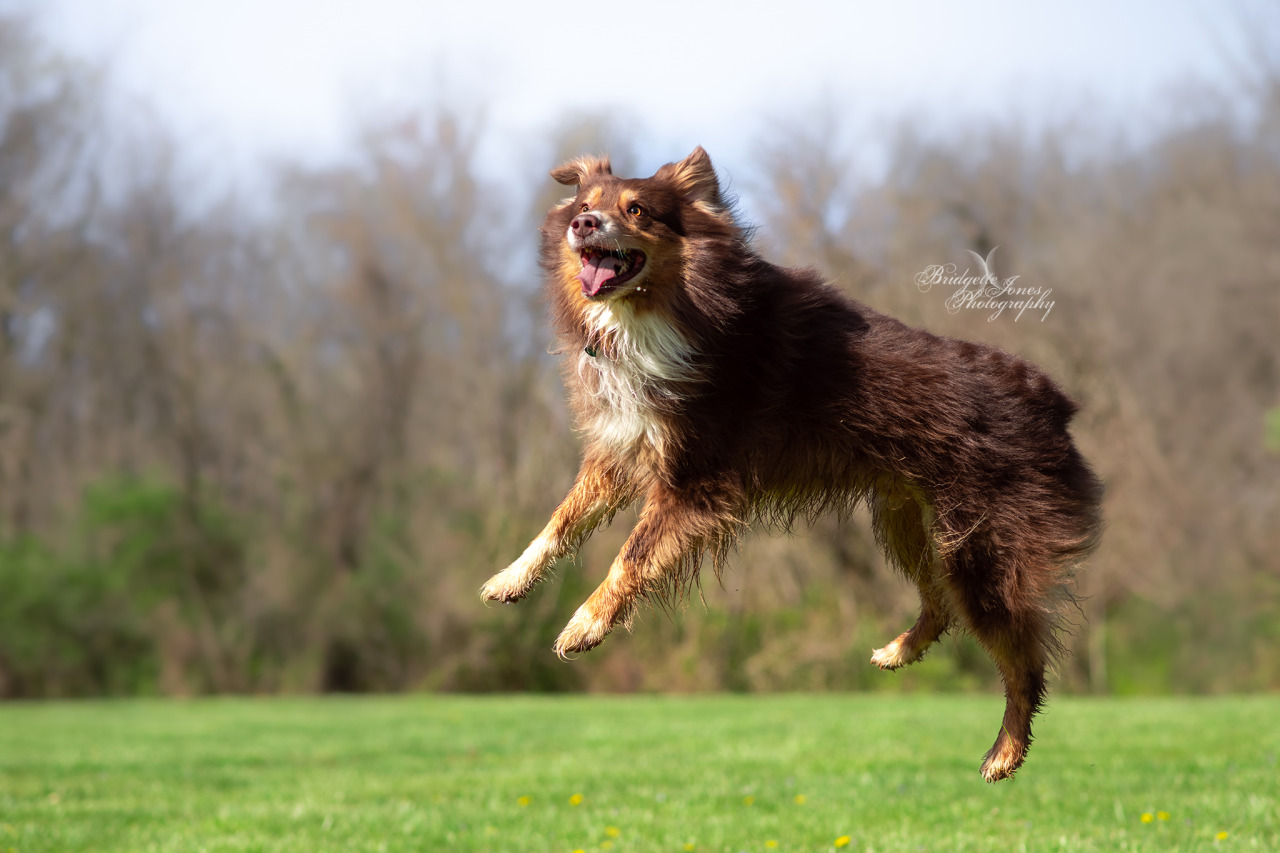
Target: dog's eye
585	208
635	209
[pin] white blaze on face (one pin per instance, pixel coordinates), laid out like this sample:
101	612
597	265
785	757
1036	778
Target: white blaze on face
605	229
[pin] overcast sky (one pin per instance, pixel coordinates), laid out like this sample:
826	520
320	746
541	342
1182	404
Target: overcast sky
288	78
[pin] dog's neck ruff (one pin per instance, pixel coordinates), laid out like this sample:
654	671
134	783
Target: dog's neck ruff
633	366
646	344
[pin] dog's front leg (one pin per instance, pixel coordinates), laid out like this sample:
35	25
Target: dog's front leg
673	531
598	493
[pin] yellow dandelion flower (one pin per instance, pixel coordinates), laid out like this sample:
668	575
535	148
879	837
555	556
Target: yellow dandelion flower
1223	836
689	845
748	800
800	799
612	831
579	850
1147	817
606	845
1162	815
575	800
771	844
523	801
843	841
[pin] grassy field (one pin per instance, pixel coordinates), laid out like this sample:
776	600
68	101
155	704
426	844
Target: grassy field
714	773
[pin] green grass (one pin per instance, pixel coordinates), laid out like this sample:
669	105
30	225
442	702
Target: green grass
723	773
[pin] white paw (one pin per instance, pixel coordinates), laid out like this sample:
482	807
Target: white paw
510	584
1003	760
584	631
891	656
514	582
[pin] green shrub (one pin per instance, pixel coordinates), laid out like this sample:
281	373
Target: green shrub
79	617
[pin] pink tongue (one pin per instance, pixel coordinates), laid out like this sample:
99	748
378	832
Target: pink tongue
597	272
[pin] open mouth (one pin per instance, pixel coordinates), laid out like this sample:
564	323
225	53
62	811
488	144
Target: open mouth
604	270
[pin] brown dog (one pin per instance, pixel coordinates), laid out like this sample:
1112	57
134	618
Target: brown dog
721	390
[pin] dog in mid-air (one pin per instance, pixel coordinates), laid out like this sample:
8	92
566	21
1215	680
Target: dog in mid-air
721	390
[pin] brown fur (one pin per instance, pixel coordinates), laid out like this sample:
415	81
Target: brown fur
722	390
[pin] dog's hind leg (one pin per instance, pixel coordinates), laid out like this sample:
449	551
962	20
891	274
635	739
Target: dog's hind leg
667	543
598	493
901	526
1023	671
1012	618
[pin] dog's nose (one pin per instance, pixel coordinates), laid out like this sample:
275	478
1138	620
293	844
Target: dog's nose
584	224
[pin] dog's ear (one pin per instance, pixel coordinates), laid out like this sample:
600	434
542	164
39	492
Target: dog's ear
576	171
694	177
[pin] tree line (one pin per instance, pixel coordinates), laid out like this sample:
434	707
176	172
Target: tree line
277	446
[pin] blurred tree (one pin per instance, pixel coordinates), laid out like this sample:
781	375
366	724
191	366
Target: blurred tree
278	446
48	193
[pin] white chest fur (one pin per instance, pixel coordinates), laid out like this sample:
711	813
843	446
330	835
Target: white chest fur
639	366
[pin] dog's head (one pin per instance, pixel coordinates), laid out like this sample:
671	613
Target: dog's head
622	238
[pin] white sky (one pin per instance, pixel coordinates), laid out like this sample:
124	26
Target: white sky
288	78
